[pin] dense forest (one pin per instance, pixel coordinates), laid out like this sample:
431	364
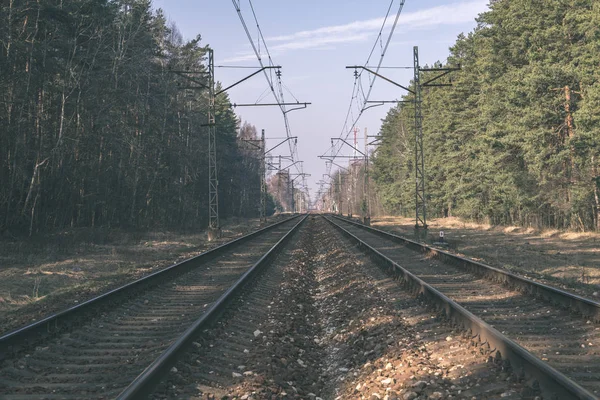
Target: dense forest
95	129
516	139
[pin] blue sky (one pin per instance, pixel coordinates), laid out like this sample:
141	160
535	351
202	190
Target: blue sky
313	41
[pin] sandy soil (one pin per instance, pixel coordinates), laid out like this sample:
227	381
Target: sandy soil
569	260
46	274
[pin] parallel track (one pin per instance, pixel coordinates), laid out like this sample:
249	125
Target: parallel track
559	338
106	349
124	351
211	367
463	364
216	353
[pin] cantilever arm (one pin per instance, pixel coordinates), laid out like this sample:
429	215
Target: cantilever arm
251	142
304	105
186	75
280	143
246	78
291	165
382	77
364	155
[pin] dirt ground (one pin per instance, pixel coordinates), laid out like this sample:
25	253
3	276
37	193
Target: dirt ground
46	274
569	260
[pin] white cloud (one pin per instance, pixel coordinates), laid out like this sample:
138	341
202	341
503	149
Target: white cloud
359	31
320	41
357	26
241	57
315	43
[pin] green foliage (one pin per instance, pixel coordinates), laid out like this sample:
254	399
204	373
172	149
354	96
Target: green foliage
516	138
96	131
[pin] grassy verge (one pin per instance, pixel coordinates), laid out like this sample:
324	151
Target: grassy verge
51	272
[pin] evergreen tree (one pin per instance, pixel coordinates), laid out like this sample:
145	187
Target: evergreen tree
94	128
515	140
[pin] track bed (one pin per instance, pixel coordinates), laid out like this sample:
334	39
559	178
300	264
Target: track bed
564	340
323	321
102	356
319	319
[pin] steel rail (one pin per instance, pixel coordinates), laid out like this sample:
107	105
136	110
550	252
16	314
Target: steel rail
552	382
586	307
24	337
143	385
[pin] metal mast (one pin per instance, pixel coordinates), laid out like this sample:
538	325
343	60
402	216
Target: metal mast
420	202
366	213
298	175
367	217
293	205
214	228
263	182
439	72
340	192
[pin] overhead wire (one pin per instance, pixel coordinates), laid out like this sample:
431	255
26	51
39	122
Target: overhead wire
279	97
262	95
358	77
293	147
290	92
336	148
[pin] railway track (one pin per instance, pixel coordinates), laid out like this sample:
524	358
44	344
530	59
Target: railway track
152	338
324	322
121	343
561	330
223	356
447	353
242	352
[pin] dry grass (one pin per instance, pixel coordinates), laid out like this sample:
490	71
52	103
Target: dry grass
567	259
46	274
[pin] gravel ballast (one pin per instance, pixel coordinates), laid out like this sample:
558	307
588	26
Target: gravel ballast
324	322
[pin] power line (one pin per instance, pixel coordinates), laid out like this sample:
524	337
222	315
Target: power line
370	66
279	98
358	77
282	100
269	76
237	66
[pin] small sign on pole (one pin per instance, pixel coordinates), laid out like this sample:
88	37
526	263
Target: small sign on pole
442	240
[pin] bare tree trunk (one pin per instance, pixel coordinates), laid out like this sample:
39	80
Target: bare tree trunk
596	180
33	213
